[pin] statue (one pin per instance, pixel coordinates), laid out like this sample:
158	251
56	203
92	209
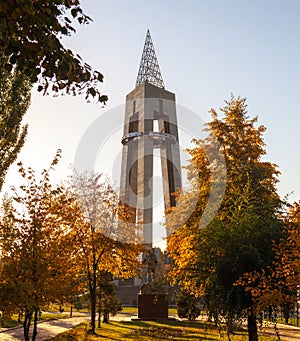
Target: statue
152	300
151	261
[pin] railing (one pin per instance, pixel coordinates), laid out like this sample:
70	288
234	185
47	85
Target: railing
156	136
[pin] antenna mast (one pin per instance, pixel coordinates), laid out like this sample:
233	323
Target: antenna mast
149	70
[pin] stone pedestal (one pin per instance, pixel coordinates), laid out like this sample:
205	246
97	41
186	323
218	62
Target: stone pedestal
152	306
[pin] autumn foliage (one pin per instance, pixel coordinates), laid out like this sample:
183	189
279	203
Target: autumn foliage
56	243
106	243
239	234
38	264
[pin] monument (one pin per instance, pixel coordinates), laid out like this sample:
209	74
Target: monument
150	123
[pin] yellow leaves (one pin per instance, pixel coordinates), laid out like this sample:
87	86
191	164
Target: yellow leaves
210	261
180	247
107	241
41	226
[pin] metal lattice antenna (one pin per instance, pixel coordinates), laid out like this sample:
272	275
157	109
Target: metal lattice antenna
149	70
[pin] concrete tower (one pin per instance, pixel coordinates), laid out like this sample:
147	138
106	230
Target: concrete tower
150	122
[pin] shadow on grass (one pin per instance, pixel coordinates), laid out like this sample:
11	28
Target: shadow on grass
170	330
146	330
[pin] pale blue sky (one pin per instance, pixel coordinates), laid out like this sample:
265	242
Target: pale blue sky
206	50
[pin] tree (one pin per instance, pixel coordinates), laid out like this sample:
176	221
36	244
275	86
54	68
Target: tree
187	305
30	38
14	102
109	303
278	284
238	238
107	241
38	264
31	51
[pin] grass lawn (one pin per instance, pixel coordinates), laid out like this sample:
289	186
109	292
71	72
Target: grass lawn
138	330
45	316
292	321
10	322
134	311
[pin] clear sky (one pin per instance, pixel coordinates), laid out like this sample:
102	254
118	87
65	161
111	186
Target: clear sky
206	50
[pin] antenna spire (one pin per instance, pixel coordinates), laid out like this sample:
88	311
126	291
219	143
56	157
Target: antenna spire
149	70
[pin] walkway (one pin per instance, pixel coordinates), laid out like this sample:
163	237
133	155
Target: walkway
286	332
49	329
46	329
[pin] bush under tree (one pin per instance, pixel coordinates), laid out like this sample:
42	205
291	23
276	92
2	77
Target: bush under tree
188	306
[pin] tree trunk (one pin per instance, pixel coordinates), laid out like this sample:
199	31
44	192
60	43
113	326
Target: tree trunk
287	318
217	322
35	320
99	312
2	319
105	316
93	295
229	324
71	311
270	312
286	312
252	326
93	311
26	325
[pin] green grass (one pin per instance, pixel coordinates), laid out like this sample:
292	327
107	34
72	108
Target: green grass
10	322
52	316
138	330
55	308
134	311
129	310
292	321
45	316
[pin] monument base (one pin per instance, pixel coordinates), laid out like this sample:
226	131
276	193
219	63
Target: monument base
152	306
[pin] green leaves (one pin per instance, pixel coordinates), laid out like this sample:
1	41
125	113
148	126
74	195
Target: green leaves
14	102
239	238
30	37
92	91
75	11
8	67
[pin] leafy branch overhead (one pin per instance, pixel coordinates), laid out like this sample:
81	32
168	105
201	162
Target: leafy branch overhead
14	101
30	38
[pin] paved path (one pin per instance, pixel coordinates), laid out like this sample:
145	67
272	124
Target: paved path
286	332
49	329
46	329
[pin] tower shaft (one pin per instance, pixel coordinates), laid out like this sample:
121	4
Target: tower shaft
146	104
